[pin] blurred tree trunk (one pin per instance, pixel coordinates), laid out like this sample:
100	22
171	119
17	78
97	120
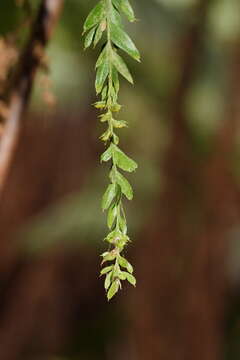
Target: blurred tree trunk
177	309
19	91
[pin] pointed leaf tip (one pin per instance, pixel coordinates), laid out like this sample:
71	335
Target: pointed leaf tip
113	290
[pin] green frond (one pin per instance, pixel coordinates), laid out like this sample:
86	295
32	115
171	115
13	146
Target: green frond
106	19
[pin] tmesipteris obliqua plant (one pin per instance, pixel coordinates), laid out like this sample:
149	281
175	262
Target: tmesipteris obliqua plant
105	19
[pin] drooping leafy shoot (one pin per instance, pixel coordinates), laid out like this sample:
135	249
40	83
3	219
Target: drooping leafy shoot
105	20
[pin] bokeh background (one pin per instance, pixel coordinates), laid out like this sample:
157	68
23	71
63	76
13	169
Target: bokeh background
184	132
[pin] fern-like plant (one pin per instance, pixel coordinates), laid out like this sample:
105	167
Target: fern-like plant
105	19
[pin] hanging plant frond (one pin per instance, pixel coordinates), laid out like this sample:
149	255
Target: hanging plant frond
105	19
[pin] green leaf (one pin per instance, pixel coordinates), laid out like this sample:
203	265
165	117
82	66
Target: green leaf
104	254
124	263
108	196
123	225
95	16
119	124
105	117
102	58
109	257
124	185
123	241
115	139
123	41
129	268
126	8
121	66
116	17
102	73
113	289
112	214
116	107
98	35
106	270
122	275
122	160
106	135
89	38
115	79
114	236
107	155
131	279
100	104
104	93
107	282
116	272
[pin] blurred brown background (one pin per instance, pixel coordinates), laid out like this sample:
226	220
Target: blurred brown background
184	122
